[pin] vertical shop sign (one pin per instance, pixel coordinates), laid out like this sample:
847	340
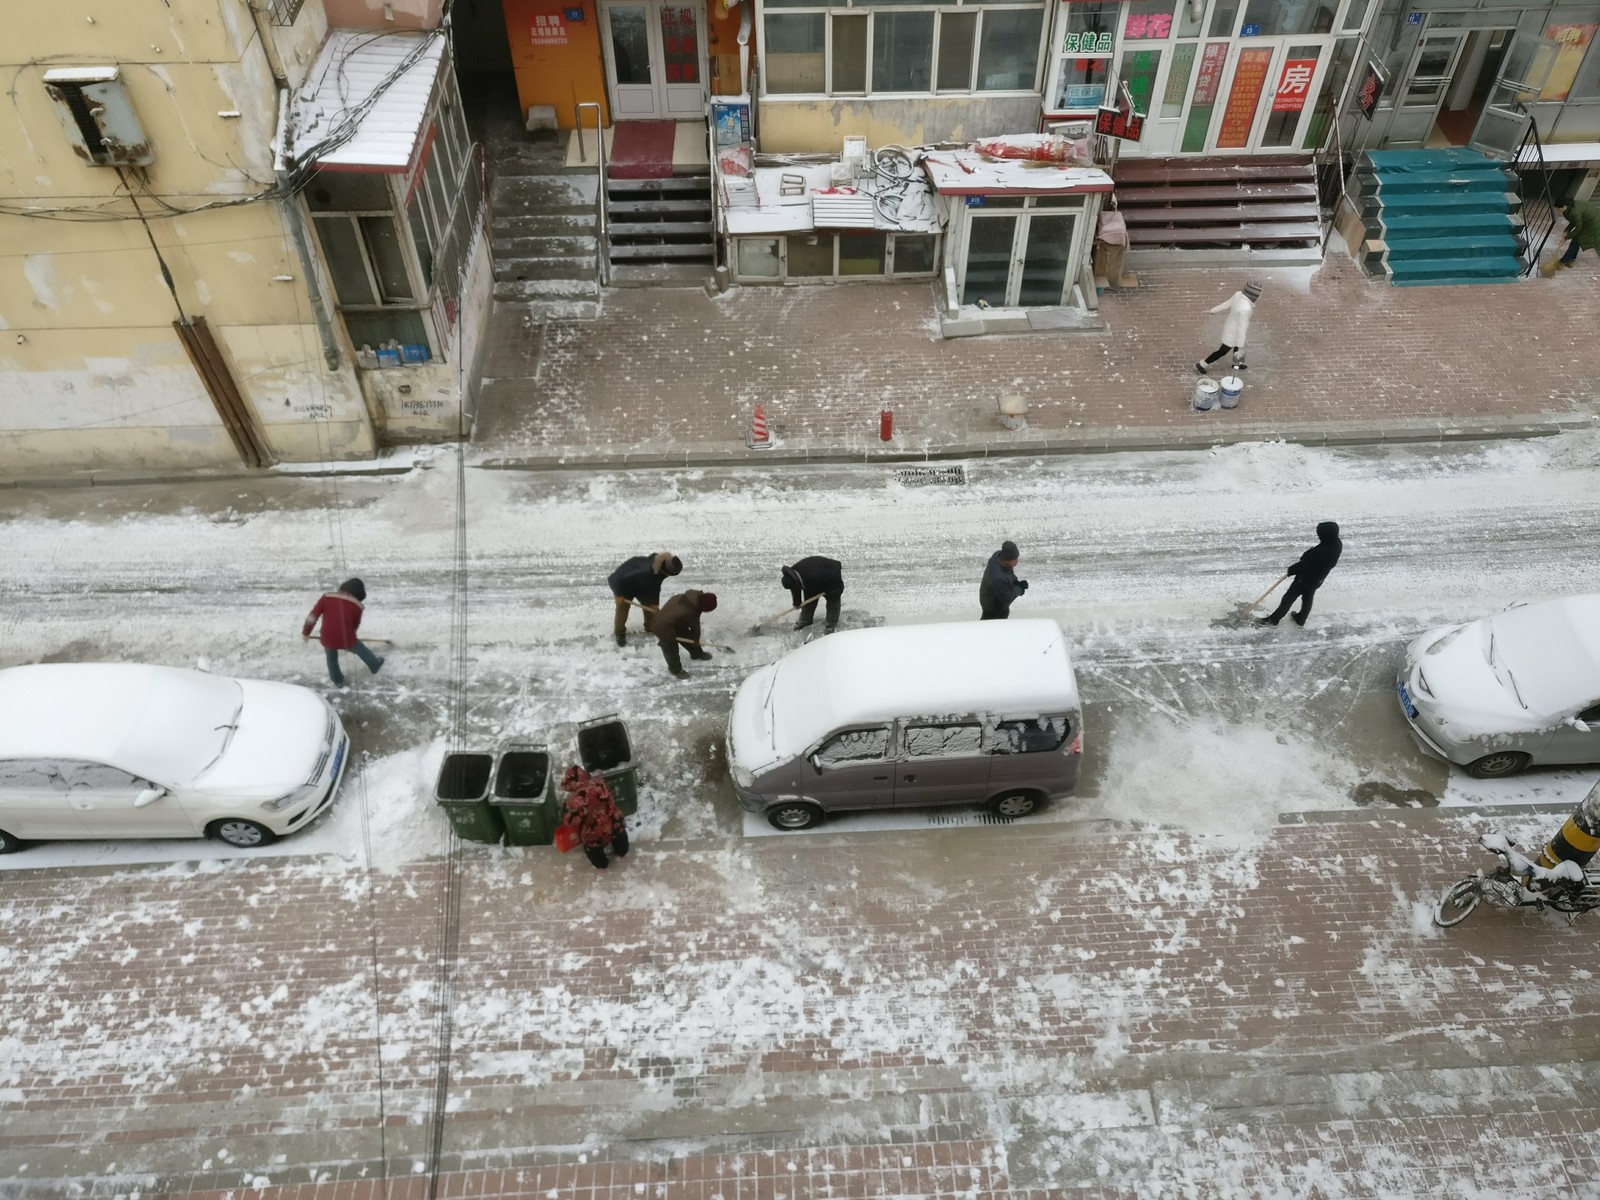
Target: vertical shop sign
1210	75
1294	85
1573	40
549	29
1371	91
1249	77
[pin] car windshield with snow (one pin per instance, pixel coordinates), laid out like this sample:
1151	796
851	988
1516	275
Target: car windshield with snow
907	716
120	750
1517	689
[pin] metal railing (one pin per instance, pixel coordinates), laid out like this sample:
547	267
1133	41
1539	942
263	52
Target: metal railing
600	257
1530	160
1333	168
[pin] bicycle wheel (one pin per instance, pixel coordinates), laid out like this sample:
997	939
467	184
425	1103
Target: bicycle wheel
894	163
1456	905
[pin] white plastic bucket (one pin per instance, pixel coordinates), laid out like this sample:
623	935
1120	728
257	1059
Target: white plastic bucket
1205	395
1232	385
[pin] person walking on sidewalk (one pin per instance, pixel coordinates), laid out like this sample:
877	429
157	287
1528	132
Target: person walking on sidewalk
810	578
340	614
1235	327
639	579
591	811
1583	228
1307	574
1000	586
677	623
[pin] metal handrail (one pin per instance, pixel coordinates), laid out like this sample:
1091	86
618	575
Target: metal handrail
1531	138
601	257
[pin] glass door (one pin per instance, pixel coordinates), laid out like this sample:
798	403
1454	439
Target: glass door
630	65
655	59
988	261
1046	257
682	90
1522	77
1018	259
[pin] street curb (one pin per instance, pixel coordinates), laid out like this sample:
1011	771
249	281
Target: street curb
199	475
1099	441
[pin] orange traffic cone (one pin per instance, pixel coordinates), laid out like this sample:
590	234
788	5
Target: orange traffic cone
760	438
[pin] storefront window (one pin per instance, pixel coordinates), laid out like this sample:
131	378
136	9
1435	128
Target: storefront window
1138	72
796	52
811	256
914	253
902	52
1148	19
1008	54
758	258
1269	18
1356	14
1178	79
1086	45
1289	100
1207	82
1574	41
862	253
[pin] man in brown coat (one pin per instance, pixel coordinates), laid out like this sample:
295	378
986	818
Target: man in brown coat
680	618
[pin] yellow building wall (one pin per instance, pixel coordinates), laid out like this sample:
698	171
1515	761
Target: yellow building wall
91	372
819	126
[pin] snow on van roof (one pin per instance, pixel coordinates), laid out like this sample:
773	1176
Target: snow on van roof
1553	650
861	676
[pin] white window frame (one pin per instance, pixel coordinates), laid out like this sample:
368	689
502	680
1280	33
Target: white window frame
889	274
868	10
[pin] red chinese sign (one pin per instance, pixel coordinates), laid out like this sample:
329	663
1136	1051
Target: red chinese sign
1113	122
1209	77
549	30
1294	85
1249	77
1151	25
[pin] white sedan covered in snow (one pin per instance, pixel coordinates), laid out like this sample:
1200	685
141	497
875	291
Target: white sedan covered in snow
1518	689
119	750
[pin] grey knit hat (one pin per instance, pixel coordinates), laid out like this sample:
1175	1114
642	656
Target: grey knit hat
1252	291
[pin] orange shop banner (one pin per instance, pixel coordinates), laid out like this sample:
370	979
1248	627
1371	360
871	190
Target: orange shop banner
1249	77
1294	85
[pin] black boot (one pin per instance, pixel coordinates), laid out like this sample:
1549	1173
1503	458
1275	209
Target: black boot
597	856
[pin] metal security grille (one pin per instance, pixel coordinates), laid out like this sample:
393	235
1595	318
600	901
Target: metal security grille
915	476
283	12
968	817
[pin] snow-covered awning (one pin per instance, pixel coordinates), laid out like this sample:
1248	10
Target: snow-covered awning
364	104
964	173
803	198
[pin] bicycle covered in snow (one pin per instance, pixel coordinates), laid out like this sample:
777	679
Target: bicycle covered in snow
1519	882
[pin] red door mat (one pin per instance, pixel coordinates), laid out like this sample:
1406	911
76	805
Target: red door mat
642	149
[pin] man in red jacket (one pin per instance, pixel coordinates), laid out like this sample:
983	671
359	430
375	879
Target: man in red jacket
592	811
340	613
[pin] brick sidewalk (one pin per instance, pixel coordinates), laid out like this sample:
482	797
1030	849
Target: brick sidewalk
1045	1011
1342	353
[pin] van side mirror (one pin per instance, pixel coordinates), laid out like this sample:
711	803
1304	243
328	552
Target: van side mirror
148	797
816	762
1579	724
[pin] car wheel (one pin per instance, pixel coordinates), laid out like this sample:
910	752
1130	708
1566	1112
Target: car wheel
794	814
1498	764
9	844
236	831
1014	804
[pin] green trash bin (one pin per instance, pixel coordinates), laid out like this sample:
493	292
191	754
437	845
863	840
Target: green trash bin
525	796
463	793
604	750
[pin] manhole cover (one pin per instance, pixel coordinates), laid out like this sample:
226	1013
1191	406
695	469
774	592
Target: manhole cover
921	475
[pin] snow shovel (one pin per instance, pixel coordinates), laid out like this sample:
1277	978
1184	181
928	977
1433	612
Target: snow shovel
713	645
756	628
1246	609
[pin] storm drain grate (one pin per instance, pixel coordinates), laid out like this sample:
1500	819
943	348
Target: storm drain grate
980	817
920	475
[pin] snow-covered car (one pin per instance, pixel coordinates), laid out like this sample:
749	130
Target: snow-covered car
1516	689
122	750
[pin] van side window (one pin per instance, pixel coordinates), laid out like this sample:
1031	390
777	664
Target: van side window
98	775
943	741
1031	736
854	745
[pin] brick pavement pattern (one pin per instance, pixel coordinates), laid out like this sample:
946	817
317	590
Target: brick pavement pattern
1048	1012
679	367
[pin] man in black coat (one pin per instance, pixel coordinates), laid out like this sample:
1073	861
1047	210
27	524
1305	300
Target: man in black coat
1000	586
640	578
1307	574
810	578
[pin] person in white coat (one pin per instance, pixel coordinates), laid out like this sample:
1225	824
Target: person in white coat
1235	326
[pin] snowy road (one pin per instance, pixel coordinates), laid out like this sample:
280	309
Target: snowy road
1212	975
1194	718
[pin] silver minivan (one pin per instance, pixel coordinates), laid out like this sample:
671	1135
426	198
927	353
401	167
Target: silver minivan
909	716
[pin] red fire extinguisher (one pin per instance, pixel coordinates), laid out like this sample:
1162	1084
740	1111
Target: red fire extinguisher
886	425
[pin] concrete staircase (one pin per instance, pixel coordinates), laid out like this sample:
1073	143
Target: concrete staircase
1439	217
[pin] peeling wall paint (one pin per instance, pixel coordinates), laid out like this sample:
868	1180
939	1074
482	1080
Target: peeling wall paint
819	126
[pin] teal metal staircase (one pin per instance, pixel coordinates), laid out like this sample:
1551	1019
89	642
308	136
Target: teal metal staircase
1439	217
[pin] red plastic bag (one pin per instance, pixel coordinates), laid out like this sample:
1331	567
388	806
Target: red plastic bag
566	838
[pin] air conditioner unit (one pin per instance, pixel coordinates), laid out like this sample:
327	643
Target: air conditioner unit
98	117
